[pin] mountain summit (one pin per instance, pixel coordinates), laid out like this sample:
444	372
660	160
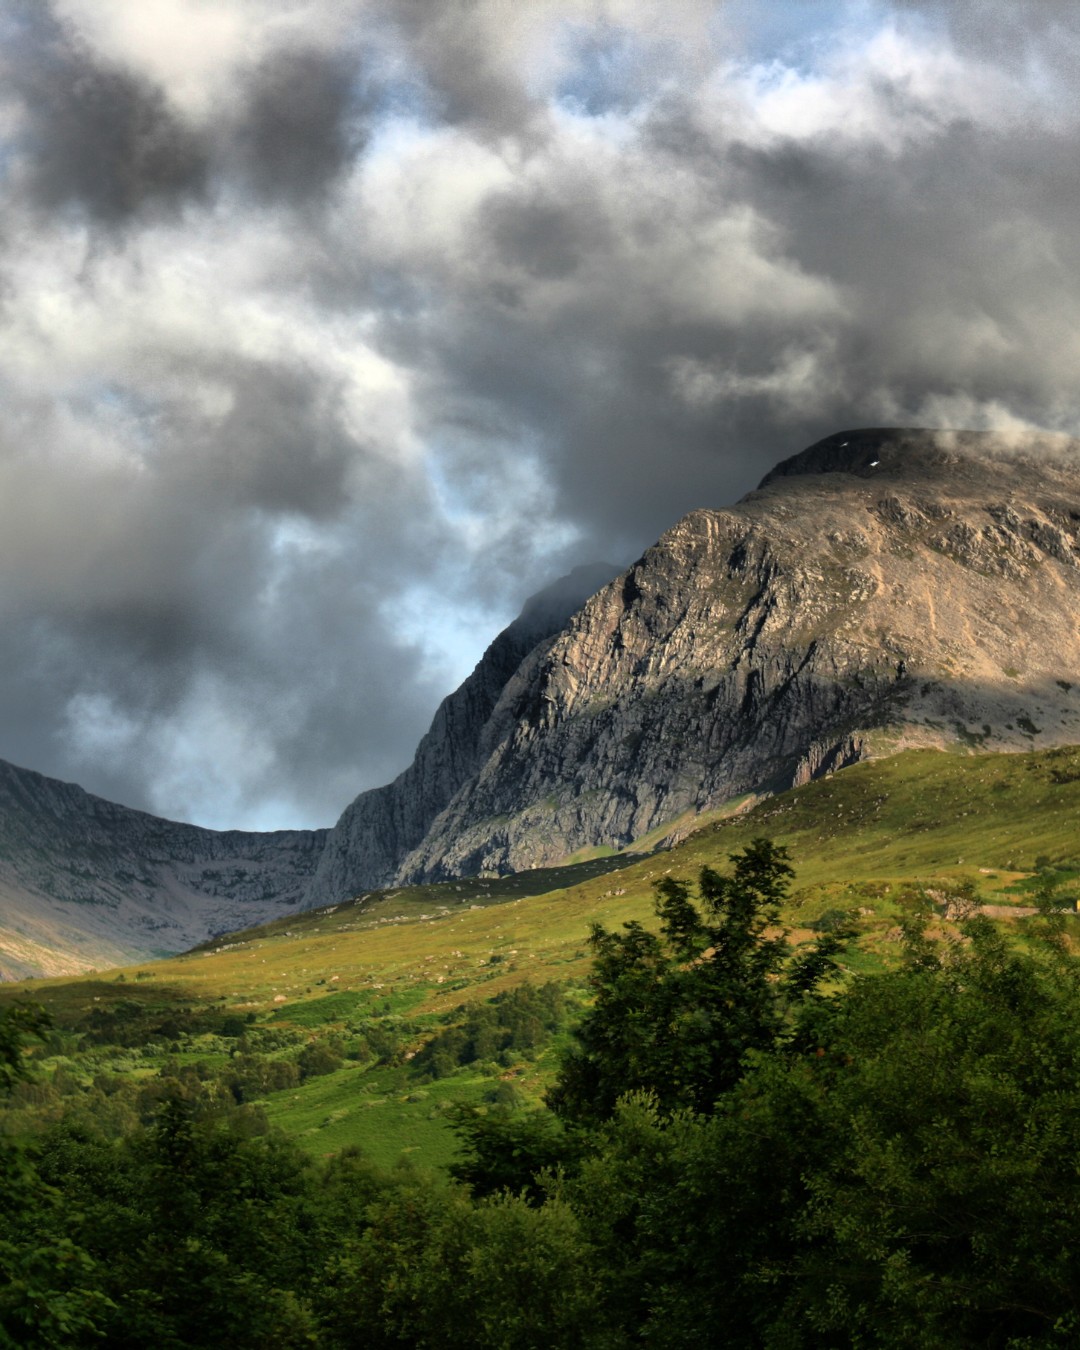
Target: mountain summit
884	588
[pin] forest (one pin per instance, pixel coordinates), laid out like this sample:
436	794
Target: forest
743	1146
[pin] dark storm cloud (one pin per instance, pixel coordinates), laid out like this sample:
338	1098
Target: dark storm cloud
299	127
97	136
543	236
940	238
280	445
200	630
464	294
459	47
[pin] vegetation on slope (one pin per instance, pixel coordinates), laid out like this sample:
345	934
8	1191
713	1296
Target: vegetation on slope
374	981
746	1148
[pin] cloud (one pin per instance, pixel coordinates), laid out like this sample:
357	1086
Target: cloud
331	330
295	132
94	135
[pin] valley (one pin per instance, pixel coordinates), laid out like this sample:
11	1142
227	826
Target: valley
379	977
724	921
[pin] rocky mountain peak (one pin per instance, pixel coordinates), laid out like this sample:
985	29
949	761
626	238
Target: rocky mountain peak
928	456
885	588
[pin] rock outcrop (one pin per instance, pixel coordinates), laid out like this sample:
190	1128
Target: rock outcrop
882	589
384	825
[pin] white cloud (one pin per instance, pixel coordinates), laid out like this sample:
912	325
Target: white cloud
193	48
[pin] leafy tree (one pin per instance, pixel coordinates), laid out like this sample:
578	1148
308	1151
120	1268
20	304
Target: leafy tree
47	1282
675	1013
198	1227
506	1151
907	1180
515	1022
320	1057
436	1269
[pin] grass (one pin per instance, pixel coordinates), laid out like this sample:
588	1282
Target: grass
412	955
921	816
379	1110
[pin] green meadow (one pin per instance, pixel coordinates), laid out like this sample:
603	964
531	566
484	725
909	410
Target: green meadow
352	993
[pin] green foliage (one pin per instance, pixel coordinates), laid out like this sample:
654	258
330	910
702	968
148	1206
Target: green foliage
321	1056
434	1269
194	1225
907	1180
505	1151
945	1190
675	1014
748	1151
46	1293
514	1023
19	1024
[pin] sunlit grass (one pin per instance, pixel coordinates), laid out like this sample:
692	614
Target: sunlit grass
858	841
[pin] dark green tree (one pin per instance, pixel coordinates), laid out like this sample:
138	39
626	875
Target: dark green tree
508	1151
202	1231
48	1293
908	1180
675	1013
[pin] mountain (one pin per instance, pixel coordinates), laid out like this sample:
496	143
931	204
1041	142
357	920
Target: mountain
85	883
386	824
886	588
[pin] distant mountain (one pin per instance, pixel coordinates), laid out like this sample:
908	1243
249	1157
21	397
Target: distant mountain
885	588
86	883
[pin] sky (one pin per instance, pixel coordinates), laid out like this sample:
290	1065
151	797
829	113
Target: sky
332	329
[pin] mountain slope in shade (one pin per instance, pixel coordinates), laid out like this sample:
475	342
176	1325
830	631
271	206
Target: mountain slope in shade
85	883
885	588
382	826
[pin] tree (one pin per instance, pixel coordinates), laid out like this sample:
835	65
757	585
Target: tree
47	1296
675	1013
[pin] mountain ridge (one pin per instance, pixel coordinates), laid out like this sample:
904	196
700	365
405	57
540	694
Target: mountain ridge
884	588
85	881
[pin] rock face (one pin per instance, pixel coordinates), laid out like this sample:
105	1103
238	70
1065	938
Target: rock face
382	826
85	883
882	589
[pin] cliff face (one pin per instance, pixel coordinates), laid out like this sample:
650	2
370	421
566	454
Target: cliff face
368	843
883	589
84	882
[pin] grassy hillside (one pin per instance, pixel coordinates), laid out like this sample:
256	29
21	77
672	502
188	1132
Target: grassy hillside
375	978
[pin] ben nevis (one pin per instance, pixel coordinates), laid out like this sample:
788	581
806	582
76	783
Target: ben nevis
886	588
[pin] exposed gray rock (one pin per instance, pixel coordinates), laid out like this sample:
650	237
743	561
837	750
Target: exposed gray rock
882	589
383	825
